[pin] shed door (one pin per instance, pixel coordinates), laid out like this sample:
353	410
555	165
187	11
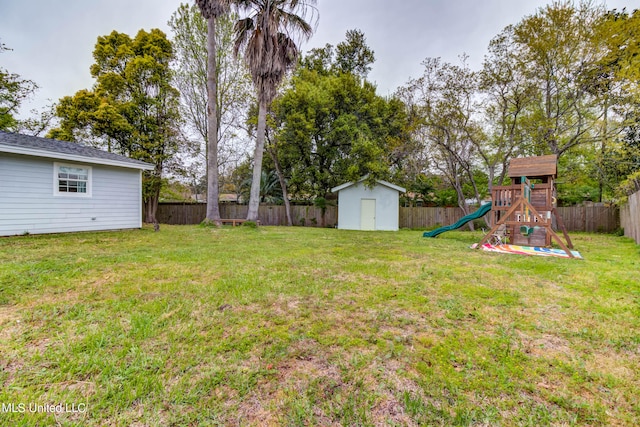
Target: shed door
367	214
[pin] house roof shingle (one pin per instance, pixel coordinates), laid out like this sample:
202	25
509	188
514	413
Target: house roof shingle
44	147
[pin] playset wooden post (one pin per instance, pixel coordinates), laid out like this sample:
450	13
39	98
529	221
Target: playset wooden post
527	207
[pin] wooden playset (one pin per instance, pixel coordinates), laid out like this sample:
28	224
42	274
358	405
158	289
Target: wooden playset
525	210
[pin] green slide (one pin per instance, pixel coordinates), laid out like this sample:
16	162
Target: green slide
484	209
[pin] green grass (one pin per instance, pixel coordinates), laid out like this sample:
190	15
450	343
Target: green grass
302	326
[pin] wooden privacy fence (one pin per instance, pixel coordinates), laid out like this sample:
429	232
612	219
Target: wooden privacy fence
428	217
594	218
590	218
194	213
630	217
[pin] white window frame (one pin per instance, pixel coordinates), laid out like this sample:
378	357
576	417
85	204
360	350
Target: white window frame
56	180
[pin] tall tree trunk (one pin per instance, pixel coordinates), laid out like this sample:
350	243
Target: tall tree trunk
283	185
254	197
213	193
603	149
151	209
151	196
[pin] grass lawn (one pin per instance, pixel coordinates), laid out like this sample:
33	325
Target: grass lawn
301	326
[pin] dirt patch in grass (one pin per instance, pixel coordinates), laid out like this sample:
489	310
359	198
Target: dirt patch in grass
252	411
621	366
10	323
85	388
550	313
304	372
11	369
547	346
390	410
307	361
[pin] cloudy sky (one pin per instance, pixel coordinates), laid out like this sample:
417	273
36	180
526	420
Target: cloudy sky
53	40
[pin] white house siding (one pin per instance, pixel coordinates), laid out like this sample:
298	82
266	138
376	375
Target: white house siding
387	209
27	202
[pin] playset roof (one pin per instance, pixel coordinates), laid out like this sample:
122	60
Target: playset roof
534	167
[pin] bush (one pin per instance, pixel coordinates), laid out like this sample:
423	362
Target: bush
207	223
250	224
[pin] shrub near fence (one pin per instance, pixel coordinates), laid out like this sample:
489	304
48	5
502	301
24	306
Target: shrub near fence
630	217
592	218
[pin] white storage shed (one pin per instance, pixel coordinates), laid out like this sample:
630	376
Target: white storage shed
50	186
364	208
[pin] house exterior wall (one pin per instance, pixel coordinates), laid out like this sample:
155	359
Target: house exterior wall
28	203
387	206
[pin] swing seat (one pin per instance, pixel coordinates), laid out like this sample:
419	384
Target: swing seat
525	230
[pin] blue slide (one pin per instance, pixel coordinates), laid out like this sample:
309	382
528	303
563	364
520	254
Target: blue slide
484	209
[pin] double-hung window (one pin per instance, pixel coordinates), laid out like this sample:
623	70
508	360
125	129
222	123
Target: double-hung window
72	180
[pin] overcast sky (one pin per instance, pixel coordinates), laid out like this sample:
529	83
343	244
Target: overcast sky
53	40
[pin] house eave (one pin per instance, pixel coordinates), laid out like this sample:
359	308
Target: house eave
73	157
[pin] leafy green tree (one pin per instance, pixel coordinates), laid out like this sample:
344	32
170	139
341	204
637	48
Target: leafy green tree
560	81
39	122
13	92
431	190
265	37
443	98
331	127
354	55
505	92
320	60
554	48
566	90
234	92
614	81
270	189
578	179
132	108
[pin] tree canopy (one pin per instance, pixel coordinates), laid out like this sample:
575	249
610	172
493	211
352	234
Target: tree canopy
132	108
331	126
14	90
563	80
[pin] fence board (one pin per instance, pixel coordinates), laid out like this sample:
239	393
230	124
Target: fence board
576	218
630	217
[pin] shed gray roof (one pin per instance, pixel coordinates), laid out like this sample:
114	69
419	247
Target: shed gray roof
379	181
51	148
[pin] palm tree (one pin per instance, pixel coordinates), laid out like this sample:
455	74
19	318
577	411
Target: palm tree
269	51
211	10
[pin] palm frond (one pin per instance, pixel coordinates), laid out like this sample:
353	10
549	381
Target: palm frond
243	29
268	39
296	24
